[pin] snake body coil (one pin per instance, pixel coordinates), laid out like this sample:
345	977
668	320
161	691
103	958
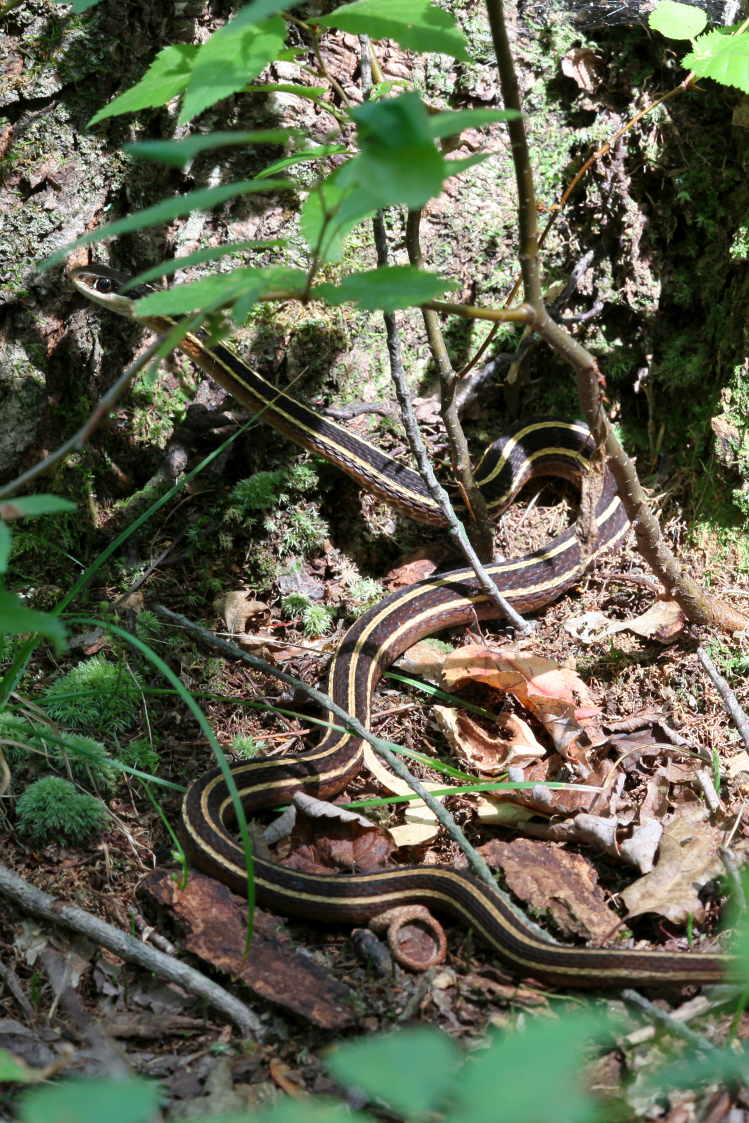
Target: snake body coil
541	447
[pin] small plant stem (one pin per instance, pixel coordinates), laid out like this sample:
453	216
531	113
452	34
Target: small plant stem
480	531
666	1021
455	528
697	605
737	713
37	903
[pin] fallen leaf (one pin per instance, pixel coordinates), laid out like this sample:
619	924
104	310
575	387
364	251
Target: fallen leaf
328	839
488	753
642	845
416	566
688	859
556	695
425	659
557	882
661	622
240	609
584	67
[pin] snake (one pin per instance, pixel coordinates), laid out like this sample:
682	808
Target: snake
537	447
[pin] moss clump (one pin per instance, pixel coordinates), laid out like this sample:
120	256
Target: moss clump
317	620
51	810
245	746
265	490
94	697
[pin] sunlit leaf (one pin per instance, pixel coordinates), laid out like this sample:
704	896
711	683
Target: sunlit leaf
28	506
6	540
199	257
399	162
166	77
232	57
389	288
534	1073
329	214
301	157
219	290
418	25
677	21
15	1071
180	152
447	124
167	209
723	57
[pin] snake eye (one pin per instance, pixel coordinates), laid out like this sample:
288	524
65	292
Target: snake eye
104	285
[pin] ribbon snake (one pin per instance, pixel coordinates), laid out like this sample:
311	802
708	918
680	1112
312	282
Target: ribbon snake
546	446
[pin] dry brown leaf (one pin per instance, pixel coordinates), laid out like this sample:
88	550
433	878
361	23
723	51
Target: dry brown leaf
688	859
327	839
240	609
426	659
488	754
641	847
555	881
584	67
415	567
556	695
661	622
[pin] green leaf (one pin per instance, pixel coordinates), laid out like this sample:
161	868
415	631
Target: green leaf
6	539
167	209
722	1066
302	157
210	253
91	1101
79	6
456	167
232	57
677	21
312	93
722	57
16	619
411	1070
536	1073
166	77
15	1071
417	25
399	162
294	1111
219	290
389	288
30	505
448	124
179	152
330	213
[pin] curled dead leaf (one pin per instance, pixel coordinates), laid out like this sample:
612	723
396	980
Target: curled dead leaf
328	839
488	753
556	695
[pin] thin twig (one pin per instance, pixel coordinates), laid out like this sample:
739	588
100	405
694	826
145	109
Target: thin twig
697	605
667	1022
352	725
454	526
37	903
731	702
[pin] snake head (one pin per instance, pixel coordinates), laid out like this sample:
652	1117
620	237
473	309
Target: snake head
105	286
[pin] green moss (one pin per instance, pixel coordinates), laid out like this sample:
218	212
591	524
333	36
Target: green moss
51	810
96	696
